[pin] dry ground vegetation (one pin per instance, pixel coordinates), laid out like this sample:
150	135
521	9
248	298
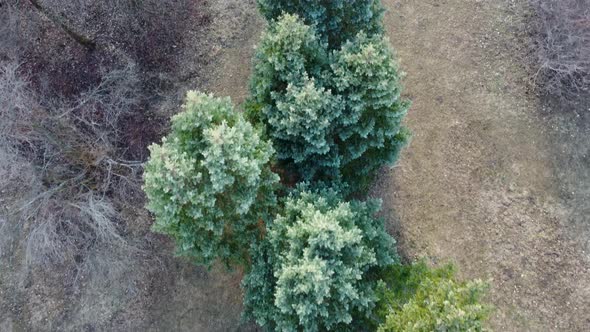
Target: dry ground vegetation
85	86
496	179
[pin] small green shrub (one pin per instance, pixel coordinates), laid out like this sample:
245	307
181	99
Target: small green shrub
420	299
209	184
336	21
316	269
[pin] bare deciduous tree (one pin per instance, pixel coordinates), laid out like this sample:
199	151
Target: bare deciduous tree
562	45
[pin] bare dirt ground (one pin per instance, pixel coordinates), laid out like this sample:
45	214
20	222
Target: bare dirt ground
490	181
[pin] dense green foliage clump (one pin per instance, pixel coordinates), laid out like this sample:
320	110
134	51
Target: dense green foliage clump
370	133
209	184
336	21
288	52
332	115
316	268
422	299
289	100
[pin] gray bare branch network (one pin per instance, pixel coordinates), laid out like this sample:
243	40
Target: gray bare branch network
562	47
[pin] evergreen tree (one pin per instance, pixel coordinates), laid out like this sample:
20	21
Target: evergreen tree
209	184
289	51
333	118
370	133
289	101
302	128
315	269
336	21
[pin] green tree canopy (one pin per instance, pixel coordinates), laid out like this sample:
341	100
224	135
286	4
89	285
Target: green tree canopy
422	299
209	184
289	100
336	21
331	118
316	268
370	133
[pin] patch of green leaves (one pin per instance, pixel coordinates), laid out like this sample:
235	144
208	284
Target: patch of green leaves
417	298
209	184
333	116
336	21
316	269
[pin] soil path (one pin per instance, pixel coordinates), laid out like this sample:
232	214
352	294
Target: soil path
477	185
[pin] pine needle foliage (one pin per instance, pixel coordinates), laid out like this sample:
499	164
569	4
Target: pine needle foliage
289	51
302	122
208	184
315	270
333	116
336	21
370	133
423	299
289	100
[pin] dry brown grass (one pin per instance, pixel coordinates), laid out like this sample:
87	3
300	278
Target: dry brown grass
75	247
